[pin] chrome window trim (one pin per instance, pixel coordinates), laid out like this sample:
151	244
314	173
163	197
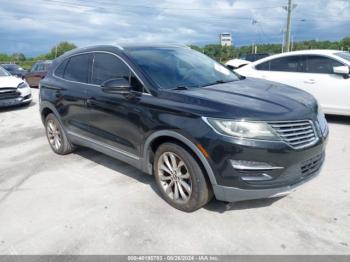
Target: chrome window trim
106	52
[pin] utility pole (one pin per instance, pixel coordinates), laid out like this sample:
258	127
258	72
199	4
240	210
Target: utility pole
289	8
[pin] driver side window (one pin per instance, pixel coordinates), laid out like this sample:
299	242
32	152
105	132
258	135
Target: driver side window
107	66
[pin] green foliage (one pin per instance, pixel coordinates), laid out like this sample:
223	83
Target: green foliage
223	54
217	52
60	49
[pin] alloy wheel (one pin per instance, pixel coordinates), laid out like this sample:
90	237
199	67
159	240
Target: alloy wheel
54	135
174	177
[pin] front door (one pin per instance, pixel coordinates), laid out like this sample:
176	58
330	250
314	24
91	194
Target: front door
115	119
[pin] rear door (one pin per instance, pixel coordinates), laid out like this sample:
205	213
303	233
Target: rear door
116	119
71	93
330	89
286	70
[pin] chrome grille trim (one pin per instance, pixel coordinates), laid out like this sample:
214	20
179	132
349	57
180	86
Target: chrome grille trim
297	134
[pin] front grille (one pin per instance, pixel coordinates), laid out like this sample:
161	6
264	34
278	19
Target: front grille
297	134
312	165
8	93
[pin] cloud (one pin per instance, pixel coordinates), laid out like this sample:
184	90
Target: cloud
33	27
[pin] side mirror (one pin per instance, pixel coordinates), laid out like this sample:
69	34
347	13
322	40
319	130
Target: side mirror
116	85
341	70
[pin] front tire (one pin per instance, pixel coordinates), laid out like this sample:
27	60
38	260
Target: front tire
180	179
56	136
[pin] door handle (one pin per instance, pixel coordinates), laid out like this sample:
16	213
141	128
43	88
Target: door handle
310	81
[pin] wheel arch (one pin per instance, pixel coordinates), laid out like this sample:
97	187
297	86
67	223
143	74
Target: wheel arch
159	137
47	108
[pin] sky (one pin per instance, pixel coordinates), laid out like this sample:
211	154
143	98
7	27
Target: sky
33	27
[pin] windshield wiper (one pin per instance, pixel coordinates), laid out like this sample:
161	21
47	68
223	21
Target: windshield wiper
217	82
180	88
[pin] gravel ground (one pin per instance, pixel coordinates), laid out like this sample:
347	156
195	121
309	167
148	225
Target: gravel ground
89	203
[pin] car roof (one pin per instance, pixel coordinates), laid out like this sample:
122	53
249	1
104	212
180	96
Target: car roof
325	52
9	64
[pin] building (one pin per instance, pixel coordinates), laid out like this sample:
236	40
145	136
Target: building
225	39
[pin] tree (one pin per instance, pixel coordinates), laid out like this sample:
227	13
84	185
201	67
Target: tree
60	49
18	57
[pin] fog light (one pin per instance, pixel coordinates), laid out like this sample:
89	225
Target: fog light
245	165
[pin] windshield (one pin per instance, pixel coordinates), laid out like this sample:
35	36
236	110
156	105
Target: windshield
344	55
172	68
11	67
3	72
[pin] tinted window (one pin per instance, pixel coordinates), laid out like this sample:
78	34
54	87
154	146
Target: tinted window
285	64
60	69
263	66
321	65
135	83
106	67
77	69
40	67
34	68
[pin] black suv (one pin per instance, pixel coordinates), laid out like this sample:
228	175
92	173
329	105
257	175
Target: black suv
174	113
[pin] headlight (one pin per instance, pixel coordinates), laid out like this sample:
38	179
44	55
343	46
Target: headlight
322	122
243	129
22	85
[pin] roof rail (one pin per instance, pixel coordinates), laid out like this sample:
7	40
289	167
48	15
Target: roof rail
119	47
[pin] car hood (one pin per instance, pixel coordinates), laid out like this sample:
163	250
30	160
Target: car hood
249	98
9	81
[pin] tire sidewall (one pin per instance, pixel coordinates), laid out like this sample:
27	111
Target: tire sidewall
199	194
65	143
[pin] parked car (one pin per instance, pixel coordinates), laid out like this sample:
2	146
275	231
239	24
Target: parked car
13	90
245	60
176	113
254	57
234	64
323	73
37	72
14	70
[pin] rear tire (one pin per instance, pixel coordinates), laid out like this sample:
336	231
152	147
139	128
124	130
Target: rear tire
180	179
57	137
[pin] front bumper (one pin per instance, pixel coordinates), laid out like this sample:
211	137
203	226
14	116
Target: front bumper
22	96
286	168
232	194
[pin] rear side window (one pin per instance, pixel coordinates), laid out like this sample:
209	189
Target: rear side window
321	64
34	68
283	64
263	66
61	68
106	67
77	69
40	67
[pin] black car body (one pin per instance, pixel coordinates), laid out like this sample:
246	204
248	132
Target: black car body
130	124
15	70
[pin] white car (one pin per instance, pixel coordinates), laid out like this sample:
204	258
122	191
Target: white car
236	63
323	73
13	90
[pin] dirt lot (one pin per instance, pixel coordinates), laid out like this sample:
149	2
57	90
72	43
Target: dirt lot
88	203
